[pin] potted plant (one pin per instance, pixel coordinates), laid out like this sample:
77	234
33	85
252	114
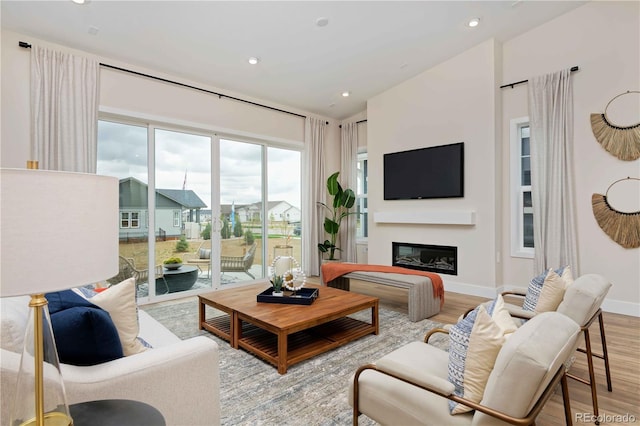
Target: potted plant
343	200
173	263
276	283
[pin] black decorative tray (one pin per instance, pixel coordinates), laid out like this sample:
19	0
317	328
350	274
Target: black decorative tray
304	296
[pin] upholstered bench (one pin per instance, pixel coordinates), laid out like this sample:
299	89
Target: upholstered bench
421	301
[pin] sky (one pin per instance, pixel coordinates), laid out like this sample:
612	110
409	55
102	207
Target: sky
122	152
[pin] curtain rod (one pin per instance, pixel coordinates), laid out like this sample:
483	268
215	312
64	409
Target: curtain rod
573	69
220	95
357	122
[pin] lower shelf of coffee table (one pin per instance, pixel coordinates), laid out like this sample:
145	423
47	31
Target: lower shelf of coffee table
303	344
300	345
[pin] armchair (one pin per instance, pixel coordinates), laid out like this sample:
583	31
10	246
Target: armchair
581	303
409	385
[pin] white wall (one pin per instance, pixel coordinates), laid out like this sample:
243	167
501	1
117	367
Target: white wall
458	100
603	39
455	101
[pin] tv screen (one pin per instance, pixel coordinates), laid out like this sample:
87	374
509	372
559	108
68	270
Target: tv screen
432	172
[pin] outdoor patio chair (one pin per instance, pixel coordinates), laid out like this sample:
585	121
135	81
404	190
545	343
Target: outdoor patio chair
201	257
127	269
239	263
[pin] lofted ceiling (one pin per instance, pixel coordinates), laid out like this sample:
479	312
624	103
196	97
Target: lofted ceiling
365	48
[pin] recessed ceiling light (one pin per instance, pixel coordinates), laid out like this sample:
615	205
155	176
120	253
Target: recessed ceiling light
253	60
79	1
322	22
346	94
473	22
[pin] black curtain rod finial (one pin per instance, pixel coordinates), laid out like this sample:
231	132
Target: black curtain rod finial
24	44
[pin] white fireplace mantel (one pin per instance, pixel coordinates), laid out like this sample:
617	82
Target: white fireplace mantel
428	217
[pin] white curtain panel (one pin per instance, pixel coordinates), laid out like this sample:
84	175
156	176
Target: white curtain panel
348	175
64	110
314	184
554	218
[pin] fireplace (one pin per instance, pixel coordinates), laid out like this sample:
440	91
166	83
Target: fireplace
432	258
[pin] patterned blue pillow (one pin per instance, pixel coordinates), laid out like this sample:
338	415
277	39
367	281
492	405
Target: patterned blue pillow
534	290
459	336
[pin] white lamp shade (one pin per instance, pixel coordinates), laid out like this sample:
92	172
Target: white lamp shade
58	230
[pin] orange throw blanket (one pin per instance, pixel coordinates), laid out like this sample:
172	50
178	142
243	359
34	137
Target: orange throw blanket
333	270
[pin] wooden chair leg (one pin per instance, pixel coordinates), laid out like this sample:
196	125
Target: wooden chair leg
605	353
592	374
566	400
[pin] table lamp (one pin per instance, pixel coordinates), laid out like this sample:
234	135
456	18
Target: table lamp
58	230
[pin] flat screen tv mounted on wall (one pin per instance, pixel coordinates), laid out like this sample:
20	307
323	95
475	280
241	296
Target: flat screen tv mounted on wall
432	172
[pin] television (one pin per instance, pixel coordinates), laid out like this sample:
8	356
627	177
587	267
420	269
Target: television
431	172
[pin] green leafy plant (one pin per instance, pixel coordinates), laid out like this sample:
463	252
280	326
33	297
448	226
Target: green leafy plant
182	245
172	261
225	232
276	282
206	232
343	200
248	237
237	226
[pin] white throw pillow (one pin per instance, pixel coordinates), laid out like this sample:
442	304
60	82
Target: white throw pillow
120	301
553	290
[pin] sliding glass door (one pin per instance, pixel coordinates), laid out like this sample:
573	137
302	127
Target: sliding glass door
260	208
123	153
183	220
218	213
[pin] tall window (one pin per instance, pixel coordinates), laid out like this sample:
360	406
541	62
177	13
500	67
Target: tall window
522	207
362	230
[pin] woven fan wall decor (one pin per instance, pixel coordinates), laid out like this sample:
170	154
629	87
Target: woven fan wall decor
623	142
621	227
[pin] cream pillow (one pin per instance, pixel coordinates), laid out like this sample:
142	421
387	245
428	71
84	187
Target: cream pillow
475	342
502	317
553	289
485	342
120	301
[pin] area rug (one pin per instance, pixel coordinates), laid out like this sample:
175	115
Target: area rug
313	392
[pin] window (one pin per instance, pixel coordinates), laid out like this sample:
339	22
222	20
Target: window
362	229
176	218
522	206
129	219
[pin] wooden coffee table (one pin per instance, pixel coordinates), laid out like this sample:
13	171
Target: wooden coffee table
284	334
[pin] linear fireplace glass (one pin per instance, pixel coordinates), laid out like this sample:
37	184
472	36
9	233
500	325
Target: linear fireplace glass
423	257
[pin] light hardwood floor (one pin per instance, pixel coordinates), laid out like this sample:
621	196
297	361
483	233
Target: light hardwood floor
623	343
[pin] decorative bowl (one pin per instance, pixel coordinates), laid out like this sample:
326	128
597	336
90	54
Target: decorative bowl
173	266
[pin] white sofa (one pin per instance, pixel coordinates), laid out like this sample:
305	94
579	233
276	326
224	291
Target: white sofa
178	377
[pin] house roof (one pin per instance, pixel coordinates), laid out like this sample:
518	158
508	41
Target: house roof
258	205
185	197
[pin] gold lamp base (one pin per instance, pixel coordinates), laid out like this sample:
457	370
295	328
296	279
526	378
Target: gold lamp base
40	349
51	419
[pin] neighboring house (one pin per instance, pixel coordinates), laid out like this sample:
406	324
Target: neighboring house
170	204
276	211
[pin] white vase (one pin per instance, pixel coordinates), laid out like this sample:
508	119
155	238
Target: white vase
277	294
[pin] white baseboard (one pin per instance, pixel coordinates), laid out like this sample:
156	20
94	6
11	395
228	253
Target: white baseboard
609	305
621	307
470	289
